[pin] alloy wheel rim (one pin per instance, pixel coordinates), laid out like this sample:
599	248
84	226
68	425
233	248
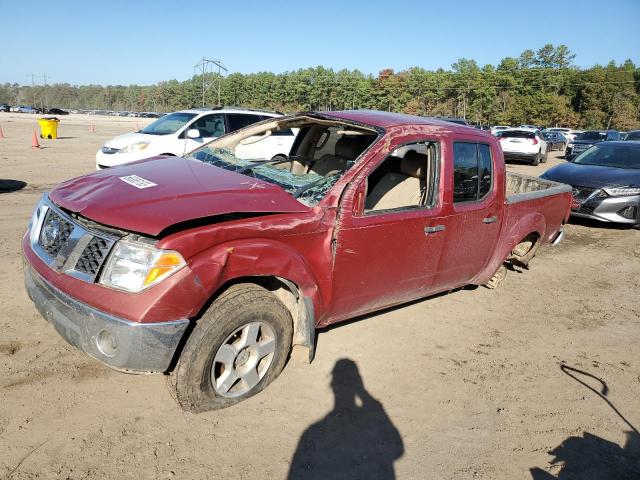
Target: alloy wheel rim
243	359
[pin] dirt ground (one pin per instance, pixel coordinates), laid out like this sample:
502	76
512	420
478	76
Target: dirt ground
466	385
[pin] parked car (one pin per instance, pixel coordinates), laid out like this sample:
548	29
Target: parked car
566	132
530	127
523	144
4	107
587	139
26	109
605	181
633	135
56	111
246	258
555	140
498	128
181	132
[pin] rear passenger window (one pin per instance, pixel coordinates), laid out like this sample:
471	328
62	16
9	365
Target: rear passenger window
472	171
241	120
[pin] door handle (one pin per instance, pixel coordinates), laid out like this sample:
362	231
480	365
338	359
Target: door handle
434	229
489	219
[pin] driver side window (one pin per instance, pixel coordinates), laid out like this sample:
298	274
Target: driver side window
210	125
405	179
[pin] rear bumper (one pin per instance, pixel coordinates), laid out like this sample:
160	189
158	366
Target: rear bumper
520	156
127	346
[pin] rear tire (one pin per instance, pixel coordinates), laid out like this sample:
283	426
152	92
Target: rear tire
536	160
497	278
238	347
544	157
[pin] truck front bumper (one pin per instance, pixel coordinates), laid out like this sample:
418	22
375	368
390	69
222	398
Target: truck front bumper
126	346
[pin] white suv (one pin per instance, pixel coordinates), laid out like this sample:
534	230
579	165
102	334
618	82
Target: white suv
180	133
523	144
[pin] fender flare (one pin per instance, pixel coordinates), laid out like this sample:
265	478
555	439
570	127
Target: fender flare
530	223
254	259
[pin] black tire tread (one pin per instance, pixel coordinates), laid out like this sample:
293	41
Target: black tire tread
220	316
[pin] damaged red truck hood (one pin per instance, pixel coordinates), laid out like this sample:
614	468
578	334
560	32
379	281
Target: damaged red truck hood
152	195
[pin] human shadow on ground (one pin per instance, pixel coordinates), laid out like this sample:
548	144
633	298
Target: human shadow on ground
356	440
8	186
591	457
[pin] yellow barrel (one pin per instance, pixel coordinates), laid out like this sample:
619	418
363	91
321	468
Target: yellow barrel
48	127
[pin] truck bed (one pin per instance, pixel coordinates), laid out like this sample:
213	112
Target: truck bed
521	188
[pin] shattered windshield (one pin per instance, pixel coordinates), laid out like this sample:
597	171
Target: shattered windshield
306	165
309	188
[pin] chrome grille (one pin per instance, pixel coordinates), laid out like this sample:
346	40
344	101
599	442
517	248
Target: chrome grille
67	245
55	233
93	256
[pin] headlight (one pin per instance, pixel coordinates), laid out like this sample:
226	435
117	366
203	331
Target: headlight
621	191
134	267
134	147
37	217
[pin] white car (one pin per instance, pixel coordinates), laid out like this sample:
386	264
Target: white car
180	133
569	134
523	144
498	128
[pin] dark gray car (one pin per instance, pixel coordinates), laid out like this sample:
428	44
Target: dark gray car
605	181
586	139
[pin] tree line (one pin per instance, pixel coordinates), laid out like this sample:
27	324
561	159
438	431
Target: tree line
541	87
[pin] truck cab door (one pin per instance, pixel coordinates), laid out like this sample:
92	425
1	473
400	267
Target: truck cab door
391	233
476	202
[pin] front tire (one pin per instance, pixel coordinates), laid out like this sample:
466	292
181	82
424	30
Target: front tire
237	348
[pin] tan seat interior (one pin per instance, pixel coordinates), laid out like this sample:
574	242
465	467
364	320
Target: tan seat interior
347	149
398	190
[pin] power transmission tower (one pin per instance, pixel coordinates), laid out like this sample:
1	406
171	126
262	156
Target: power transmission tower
206	69
33	87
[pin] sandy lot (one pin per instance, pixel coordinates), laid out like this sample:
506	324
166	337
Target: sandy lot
466	385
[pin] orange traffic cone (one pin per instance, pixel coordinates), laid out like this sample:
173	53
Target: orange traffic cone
1	133
34	141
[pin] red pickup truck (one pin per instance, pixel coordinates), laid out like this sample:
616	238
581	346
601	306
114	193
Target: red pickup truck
215	267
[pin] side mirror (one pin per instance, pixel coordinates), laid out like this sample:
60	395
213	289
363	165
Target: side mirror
193	133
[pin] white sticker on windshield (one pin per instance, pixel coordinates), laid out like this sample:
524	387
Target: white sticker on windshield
137	181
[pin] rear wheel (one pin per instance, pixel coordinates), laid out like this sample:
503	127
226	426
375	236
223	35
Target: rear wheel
237	348
544	157
536	159
497	278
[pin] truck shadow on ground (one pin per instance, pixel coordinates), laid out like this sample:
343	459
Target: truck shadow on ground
355	440
591	457
8	186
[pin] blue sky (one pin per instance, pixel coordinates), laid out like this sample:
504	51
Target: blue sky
125	42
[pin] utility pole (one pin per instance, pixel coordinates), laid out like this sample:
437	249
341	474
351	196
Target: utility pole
205	66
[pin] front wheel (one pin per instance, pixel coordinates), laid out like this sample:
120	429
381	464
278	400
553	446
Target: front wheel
237	348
